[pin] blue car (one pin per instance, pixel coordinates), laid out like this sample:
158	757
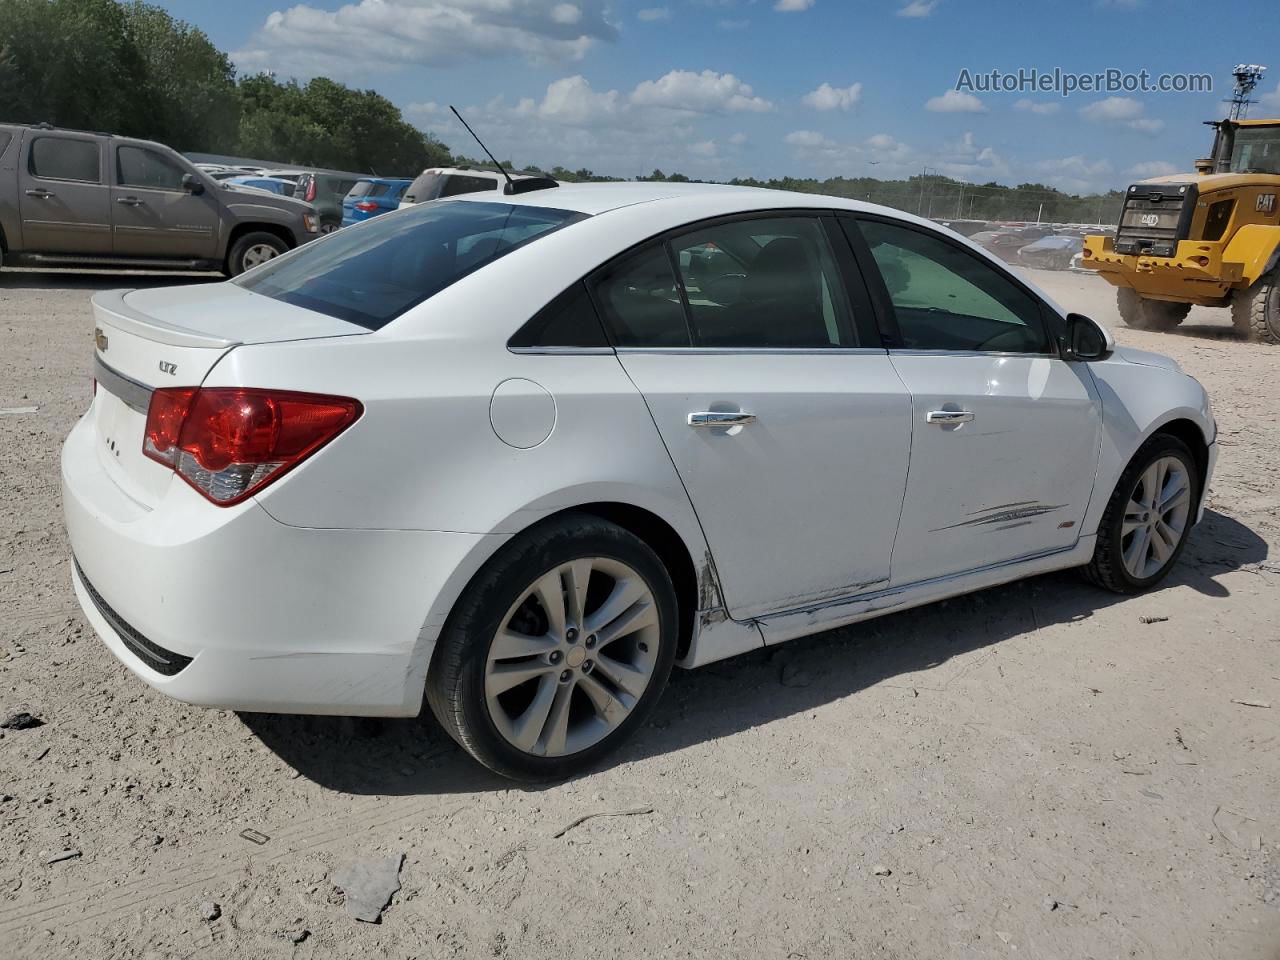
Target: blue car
372	196
272	184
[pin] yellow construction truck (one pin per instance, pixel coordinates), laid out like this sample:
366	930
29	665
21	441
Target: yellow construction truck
1211	238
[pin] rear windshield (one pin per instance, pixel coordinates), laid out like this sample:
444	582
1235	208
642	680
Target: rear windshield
372	273
364	188
425	187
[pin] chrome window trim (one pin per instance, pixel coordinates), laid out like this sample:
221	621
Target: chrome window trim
920	352
562	351
134	395
761	351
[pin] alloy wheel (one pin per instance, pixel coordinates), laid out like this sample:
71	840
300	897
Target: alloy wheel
1155	518
259	253
572	657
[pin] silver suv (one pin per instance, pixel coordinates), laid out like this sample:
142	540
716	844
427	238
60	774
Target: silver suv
71	198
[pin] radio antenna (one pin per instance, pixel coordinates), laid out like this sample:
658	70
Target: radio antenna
501	168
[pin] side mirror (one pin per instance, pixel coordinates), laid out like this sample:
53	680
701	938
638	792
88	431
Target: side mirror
192	184
1086	339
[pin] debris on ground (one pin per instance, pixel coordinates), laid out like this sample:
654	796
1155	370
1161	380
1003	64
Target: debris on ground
21	720
1050	904
210	911
880	870
63	855
254	836
1264	704
368	884
637	812
1153	619
296	935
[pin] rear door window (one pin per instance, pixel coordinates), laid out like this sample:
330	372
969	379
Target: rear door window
372	275
427	186
640	300
4	141
62	158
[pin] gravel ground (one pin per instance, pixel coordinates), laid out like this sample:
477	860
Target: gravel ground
1030	771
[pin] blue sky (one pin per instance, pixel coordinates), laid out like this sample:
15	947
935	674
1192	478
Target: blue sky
722	88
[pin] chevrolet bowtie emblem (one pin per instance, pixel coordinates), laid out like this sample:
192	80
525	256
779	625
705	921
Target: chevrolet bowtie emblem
100	338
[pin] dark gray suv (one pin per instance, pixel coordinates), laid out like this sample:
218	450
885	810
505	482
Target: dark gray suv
70	198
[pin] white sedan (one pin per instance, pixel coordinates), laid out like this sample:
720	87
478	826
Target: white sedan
522	454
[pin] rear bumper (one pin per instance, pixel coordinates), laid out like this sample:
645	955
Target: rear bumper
255	614
1196	273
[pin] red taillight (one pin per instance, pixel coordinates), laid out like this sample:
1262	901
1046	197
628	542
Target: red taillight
230	442
311	190
366	206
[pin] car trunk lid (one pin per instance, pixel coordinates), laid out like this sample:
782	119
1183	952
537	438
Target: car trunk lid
172	337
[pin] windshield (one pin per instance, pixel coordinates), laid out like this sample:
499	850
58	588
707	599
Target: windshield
371	274
1256	150
426	187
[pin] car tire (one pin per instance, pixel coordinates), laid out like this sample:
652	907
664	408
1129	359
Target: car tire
330	226
252	249
569	712
1123	562
1143	314
1255	312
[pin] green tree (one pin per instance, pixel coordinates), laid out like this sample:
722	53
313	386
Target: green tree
190	83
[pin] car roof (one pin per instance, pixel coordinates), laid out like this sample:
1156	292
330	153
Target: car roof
385	180
597	198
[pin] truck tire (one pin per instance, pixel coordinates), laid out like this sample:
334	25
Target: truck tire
1142	314
251	249
1255	312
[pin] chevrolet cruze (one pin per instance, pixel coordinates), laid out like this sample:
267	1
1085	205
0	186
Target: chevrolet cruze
518	454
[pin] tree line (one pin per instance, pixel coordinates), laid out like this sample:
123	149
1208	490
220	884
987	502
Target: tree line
132	69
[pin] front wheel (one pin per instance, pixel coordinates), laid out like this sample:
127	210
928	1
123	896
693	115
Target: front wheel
557	651
1145	525
1143	314
1255	312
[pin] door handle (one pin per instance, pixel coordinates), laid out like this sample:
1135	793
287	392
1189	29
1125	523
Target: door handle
39	192
712	419
945	417
129	201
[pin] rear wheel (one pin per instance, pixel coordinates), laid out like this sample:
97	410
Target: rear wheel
1143	314
253	249
1145	525
1255	312
557	651
330	226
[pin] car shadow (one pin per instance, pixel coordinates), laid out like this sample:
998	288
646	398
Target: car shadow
13	278
1207	331
415	756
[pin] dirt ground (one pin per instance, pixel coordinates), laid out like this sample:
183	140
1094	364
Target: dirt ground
1031	771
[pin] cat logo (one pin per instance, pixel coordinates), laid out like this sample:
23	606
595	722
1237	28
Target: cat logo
1266	203
100	339
167	367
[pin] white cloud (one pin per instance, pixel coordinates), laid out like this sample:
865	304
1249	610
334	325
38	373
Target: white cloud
807	139
571	100
792	6
737	139
1122	111
650	14
827	97
1038	106
918	8
706	148
956	101
1153	168
370	35
705	92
